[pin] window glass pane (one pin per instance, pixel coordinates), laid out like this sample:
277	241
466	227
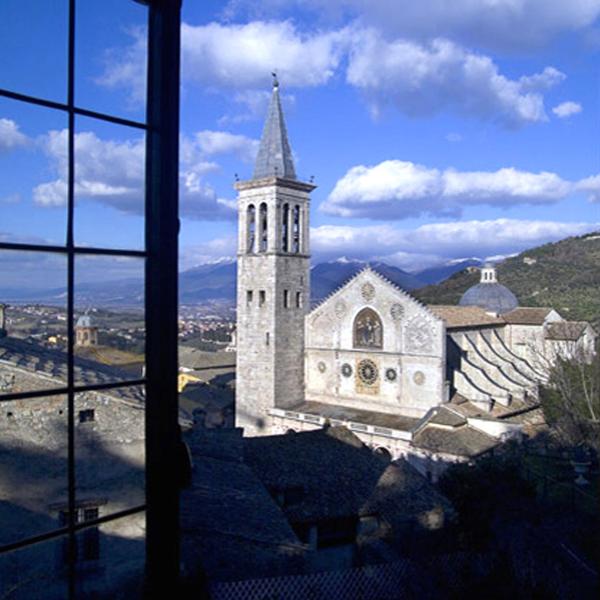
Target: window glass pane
109	185
34	573
33	321
109	319
34	43
109	450
33	168
33	466
110	45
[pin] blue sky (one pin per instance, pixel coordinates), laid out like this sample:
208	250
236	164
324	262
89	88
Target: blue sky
434	130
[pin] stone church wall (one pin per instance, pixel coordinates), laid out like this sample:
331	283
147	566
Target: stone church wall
408	360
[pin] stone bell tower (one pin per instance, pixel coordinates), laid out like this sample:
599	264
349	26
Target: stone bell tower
273	285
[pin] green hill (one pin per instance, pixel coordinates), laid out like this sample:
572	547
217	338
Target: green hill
564	275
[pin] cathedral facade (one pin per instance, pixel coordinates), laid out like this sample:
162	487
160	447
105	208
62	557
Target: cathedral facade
433	384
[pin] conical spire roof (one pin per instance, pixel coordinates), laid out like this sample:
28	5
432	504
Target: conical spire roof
274	157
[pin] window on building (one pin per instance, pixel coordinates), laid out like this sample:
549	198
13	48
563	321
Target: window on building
87	415
285	227
286	298
263	244
298	299
262	297
249	297
267	338
251	231
296	230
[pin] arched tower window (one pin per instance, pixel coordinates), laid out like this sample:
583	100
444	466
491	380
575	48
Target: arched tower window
285	234
262	221
368	330
296	230
250	228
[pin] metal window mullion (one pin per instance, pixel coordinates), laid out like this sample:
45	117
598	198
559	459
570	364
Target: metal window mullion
78	389
162	227
82	112
71	475
85	251
63	531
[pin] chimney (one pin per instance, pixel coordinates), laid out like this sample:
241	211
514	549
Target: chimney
3	320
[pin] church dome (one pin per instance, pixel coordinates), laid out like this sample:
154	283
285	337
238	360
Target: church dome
84	321
489	294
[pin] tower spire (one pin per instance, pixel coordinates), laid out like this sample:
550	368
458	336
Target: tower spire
274	157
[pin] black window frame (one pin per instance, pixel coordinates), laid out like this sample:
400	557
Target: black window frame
162	434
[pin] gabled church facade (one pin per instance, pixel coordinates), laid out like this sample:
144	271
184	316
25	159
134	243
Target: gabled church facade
432	384
371	344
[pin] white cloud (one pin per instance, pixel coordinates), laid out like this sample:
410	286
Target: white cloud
419	77
396	189
567	109
454	137
222	142
590	186
433	243
112	172
10	135
126	67
424	79
218	249
243	56
496	24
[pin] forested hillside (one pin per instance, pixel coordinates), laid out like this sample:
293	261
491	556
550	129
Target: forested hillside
564	275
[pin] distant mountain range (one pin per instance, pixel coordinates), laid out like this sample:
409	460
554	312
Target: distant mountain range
217	282
564	275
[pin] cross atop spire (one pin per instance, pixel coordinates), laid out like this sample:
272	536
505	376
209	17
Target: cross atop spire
274	157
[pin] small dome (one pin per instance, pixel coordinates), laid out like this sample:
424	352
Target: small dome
84	321
489	294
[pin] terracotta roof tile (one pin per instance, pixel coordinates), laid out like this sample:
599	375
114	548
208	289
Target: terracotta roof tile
464	316
527	315
565	330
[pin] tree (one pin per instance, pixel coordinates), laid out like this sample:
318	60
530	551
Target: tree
571	399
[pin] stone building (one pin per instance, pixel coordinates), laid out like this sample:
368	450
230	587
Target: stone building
109	471
273	277
86	333
434	384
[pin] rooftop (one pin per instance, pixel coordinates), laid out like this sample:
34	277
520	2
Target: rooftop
568	331
52	364
462	441
456	317
527	315
352	481
335	412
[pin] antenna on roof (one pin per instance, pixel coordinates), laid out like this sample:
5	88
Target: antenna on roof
275	80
